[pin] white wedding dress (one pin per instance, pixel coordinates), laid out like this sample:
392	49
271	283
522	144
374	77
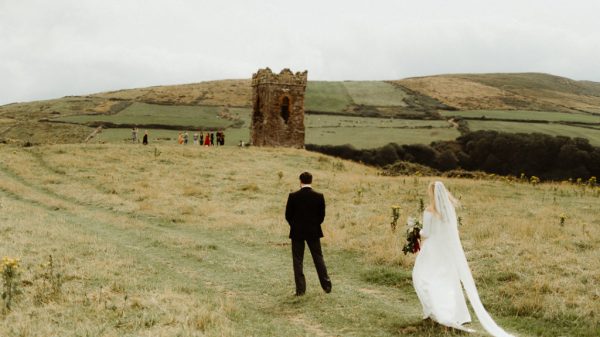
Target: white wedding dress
441	267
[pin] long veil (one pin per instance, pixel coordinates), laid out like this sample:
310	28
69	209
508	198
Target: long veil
448	215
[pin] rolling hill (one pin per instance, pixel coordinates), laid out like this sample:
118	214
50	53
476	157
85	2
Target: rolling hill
70	119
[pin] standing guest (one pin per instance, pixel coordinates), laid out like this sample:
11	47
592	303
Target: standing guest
134	133
222	138
305	212
195	138
145	140
180	138
207	140
201	138
212	139
185	138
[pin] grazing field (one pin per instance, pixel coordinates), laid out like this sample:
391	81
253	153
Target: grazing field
326	97
346	97
184	241
163	136
593	135
374	132
206	117
361	132
517	115
375	93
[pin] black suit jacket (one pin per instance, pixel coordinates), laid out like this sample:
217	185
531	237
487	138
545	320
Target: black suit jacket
305	212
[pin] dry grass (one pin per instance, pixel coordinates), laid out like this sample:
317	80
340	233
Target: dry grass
115	215
507	92
235	93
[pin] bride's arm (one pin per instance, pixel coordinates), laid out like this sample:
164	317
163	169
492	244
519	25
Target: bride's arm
426	230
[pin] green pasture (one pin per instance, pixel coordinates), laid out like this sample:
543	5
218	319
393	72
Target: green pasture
327	121
326	96
339	96
375	93
526	115
361	132
374	132
552	129
142	113
163	136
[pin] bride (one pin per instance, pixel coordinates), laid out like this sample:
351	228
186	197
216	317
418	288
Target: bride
441	267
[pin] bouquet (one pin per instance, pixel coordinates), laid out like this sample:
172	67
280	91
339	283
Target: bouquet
413	227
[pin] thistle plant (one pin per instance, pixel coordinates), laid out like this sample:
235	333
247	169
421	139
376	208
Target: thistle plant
421	206
280	175
562	218
359	195
51	284
10	277
534	180
395	216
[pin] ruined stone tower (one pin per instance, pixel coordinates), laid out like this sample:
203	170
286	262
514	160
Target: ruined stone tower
278	108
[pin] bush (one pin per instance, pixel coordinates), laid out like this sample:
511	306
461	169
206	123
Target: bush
544	156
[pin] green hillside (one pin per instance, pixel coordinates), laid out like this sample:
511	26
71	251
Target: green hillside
519	97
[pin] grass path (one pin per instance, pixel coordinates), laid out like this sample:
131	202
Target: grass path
246	267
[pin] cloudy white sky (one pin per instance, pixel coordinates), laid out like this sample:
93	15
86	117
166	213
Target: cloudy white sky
55	48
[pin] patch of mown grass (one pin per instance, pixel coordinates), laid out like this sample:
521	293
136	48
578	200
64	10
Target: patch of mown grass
388	277
326	97
375	93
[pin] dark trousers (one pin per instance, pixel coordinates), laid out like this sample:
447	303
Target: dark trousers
298	256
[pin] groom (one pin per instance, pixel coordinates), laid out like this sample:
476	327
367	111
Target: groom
305	212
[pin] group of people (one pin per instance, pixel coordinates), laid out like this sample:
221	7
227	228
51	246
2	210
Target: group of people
440	272
135	139
207	139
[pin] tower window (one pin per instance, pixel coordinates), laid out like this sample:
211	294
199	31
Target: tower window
285	109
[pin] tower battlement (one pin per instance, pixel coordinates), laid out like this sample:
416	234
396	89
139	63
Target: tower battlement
286	76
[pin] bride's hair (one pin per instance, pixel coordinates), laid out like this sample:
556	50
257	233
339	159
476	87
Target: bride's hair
431	192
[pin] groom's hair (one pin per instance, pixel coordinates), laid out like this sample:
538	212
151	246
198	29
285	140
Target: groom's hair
306	178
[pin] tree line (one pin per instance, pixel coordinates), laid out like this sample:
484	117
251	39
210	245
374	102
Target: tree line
535	154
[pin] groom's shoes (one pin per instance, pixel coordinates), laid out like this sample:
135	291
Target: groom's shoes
299	294
327	289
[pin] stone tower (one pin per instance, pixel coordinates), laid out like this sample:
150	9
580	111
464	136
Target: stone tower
278	108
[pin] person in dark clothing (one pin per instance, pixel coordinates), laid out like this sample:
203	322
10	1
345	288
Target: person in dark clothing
212	139
145	139
305	212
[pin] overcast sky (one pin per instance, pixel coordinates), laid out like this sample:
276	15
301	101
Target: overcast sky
55	48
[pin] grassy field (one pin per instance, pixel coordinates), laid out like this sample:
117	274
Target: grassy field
517	115
196	105
184	241
361	132
552	129
375	93
344	96
509	91
326	97
374	132
142	113
162	136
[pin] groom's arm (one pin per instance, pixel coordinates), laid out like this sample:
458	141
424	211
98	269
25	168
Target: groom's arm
289	209
321	209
